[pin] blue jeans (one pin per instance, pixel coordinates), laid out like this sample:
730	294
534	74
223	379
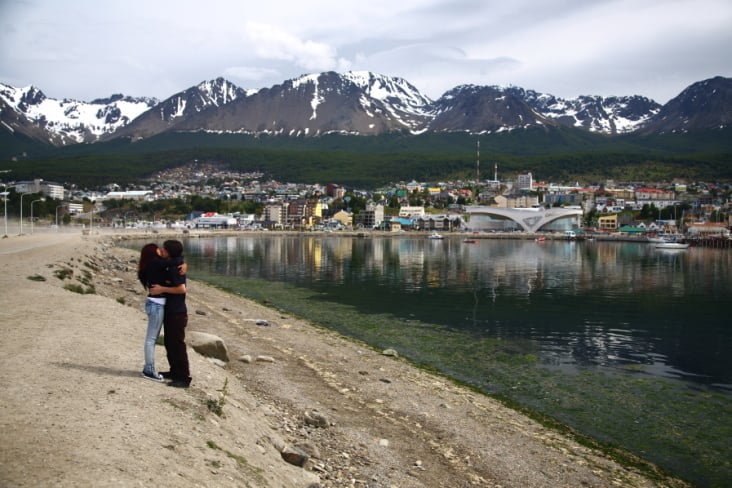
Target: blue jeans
155	312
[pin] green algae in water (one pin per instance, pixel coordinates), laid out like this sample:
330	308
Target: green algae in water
681	427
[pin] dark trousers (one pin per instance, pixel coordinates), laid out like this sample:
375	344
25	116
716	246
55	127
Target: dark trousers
174	330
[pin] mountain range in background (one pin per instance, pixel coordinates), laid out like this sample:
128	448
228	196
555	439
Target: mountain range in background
354	103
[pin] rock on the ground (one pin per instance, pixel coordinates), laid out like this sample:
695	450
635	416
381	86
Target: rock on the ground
208	345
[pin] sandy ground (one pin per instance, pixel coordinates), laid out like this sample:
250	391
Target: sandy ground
75	411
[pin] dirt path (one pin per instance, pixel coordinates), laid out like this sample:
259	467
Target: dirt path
74	410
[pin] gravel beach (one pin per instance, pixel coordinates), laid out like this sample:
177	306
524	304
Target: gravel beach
75	410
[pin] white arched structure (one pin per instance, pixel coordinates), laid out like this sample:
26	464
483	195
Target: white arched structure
526	219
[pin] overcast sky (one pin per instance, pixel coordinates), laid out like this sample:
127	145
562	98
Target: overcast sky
87	49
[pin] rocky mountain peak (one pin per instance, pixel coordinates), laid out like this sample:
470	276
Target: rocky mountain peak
703	105
357	102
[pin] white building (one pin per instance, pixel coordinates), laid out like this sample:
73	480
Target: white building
275	212
212	220
74	208
411	211
129	195
525	182
523	219
48	188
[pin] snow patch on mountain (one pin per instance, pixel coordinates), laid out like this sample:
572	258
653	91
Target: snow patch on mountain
403	102
394	90
605	115
355	102
317	100
72	120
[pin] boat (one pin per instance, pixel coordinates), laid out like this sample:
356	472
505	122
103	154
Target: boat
672	245
469	241
540	239
436	236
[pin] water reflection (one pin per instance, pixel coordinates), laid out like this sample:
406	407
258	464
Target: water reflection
608	305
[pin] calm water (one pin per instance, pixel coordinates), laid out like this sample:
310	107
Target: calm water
628	344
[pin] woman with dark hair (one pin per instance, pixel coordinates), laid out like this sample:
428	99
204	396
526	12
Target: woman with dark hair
154	268
175	321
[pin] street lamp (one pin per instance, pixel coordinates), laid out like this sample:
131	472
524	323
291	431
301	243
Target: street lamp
57	207
21	212
5	197
125	218
34	201
5	194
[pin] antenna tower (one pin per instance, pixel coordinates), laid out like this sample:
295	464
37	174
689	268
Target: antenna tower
477	163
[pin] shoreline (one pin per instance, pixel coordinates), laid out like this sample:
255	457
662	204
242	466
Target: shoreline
467	236
389	422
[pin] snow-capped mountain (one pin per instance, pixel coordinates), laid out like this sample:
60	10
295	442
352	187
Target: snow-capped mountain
28	111
483	109
703	105
358	102
606	115
180	107
354	103
402	99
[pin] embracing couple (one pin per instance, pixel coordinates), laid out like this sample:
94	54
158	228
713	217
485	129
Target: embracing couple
162	272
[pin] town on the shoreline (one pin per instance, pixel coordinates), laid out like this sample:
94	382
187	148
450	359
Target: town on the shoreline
205	196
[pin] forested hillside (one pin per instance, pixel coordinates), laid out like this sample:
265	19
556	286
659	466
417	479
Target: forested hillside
368	161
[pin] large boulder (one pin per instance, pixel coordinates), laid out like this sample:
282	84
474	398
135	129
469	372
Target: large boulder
208	345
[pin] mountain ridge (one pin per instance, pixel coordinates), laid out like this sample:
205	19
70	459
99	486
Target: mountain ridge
357	103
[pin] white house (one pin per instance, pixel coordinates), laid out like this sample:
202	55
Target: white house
129	195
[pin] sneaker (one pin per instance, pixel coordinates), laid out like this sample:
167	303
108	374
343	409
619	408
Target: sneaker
153	376
180	383
166	374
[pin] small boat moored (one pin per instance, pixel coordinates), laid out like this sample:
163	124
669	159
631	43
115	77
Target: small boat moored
436	236
671	245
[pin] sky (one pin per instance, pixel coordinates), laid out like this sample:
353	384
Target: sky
88	49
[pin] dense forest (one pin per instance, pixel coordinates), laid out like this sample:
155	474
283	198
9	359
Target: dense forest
559	155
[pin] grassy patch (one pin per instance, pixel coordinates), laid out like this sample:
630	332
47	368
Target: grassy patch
216	405
85	278
241	461
80	289
63	273
37	277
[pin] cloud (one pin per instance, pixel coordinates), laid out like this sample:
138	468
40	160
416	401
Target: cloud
249	73
86	49
272	43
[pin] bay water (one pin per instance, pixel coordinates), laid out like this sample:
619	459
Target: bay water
625	343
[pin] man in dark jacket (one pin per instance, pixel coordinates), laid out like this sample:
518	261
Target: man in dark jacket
175	321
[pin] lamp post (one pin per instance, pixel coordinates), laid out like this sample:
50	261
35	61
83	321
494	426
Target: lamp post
35	201
5	194
21	212
57	207
5	197
125	219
